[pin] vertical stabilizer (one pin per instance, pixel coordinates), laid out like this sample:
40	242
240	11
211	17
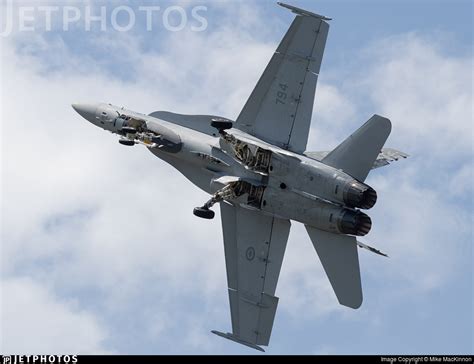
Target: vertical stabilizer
340	260
356	155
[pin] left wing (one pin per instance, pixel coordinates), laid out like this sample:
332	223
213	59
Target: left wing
385	157
254	246
279	109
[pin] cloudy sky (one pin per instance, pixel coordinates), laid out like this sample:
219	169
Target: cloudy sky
100	251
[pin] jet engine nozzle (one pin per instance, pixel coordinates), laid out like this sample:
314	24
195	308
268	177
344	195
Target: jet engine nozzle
359	195
355	223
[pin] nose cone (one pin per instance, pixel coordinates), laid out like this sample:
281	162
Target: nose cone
87	111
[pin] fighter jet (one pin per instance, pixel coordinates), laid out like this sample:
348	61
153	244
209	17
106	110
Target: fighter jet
259	172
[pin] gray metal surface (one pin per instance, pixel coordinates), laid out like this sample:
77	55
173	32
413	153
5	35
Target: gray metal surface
385	157
340	260
356	155
254	246
201	123
280	107
300	11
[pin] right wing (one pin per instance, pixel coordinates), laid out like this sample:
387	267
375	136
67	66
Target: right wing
280	107
254	246
385	157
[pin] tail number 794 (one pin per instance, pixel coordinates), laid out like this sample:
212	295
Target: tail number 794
281	94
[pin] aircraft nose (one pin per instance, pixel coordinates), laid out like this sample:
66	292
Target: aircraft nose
87	111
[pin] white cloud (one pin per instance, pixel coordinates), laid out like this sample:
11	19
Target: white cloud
303	285
84	213
35	321
422	230
333	112
426	93
422	217
95	216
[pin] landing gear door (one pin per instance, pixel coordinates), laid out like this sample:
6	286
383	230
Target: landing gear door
226	147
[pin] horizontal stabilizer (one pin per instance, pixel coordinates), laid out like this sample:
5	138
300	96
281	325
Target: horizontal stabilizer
371	249
356	155
386	156
340	260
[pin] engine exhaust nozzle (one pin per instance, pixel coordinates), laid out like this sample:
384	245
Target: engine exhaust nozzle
355	223
360	195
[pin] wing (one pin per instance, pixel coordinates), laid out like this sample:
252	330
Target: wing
385	157
254	246
280	107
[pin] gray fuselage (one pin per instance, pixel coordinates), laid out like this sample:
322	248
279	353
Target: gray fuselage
274	180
